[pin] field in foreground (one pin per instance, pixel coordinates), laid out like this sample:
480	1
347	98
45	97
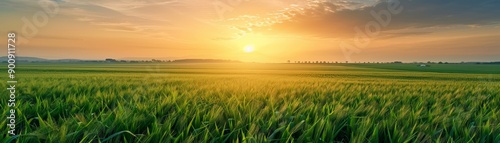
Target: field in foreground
255	103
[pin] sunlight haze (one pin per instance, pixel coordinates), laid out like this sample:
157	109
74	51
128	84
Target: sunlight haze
281	29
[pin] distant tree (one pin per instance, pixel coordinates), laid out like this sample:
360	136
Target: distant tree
110	60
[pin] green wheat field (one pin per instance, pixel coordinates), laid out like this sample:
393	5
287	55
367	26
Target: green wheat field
249	102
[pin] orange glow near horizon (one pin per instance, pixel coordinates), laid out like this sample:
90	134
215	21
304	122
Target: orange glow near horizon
255	31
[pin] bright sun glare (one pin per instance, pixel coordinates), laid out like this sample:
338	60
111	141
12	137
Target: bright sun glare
248	49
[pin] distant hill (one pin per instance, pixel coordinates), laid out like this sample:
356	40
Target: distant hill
24	59
35	59
4	59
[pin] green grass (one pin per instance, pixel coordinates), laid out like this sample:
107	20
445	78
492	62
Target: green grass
440	68
254	103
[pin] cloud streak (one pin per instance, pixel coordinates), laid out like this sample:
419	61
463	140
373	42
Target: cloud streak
337	20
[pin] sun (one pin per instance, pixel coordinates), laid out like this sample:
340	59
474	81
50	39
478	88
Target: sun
249	49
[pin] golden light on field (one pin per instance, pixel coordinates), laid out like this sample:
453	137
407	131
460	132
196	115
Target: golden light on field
249	49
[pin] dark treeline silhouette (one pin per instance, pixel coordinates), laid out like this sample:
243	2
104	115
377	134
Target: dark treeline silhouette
112	60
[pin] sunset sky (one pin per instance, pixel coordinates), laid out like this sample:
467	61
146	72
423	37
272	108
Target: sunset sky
277	30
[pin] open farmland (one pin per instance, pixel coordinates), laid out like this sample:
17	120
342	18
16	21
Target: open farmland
167	102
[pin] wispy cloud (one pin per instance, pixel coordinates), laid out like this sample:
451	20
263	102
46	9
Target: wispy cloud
336	19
